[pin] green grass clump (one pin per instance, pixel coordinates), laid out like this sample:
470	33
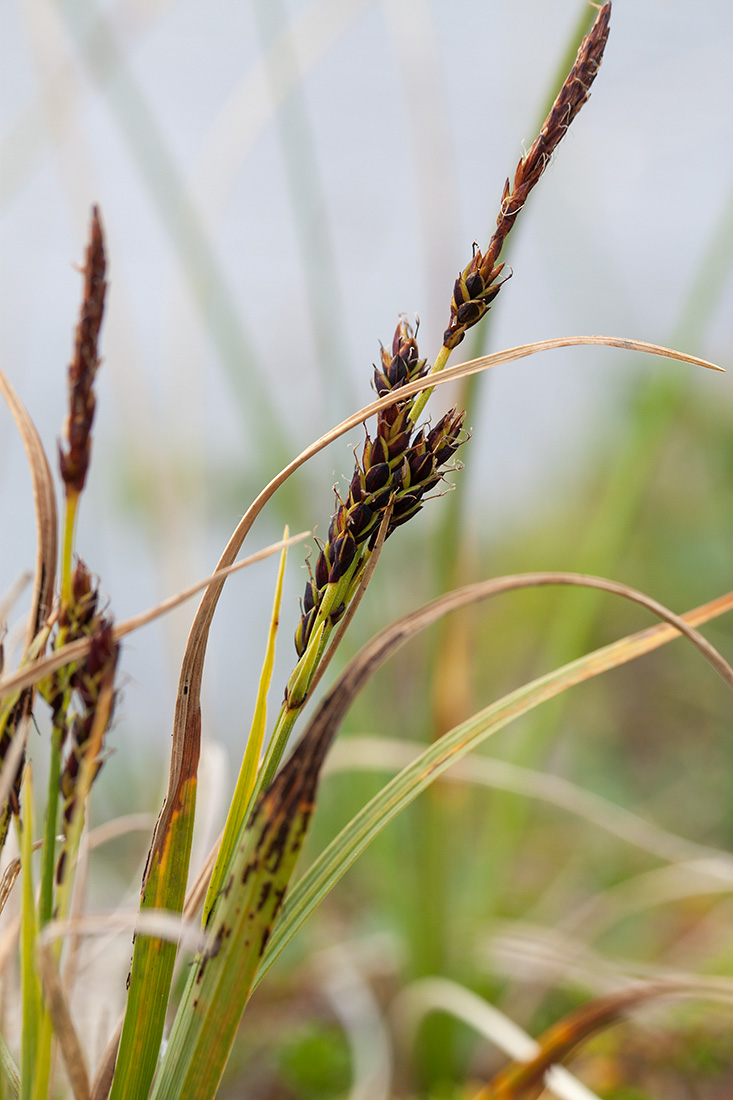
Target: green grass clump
482	949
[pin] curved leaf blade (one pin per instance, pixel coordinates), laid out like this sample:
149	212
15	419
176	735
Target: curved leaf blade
355	837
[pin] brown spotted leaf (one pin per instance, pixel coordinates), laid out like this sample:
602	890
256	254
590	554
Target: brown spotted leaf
243	919
222	975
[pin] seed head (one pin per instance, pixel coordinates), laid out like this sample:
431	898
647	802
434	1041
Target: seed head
400	464
74	461
477	286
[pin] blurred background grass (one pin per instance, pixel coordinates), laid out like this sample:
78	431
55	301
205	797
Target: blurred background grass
278	181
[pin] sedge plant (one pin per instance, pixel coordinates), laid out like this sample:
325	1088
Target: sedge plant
243	908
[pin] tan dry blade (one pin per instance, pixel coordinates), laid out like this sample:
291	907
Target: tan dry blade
63	1026
226	565
7	882
45	505
526	1080
338	856
75	651
388	641
43	589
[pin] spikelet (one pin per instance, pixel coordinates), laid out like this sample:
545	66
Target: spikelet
477	286
399	464
74	460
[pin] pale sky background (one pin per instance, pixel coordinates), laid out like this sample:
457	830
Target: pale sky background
400	120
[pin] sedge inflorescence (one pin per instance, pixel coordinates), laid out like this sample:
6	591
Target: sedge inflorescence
398	466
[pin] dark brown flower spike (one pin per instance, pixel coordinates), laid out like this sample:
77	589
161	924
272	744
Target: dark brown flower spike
399	465
89	681
74	692
477	286
74	461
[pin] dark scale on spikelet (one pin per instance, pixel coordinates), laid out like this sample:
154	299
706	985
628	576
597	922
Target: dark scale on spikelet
77	619
19	713
398	465
473	292
89	680
73	693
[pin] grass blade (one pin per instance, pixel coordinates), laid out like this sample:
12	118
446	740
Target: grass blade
222	975
528	1080
44	497
154	958
381	754
404	788
10	1071
31	1070
58	1008
419	1001
98	45
248	772
73	651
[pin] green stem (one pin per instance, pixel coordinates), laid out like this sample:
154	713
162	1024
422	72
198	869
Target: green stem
251	758
286	719
48	858
31	1061
335	594
421	402
67	546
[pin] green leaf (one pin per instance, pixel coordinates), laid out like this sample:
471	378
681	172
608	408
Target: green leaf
32	1011
154	959
341	853
222	975
248	771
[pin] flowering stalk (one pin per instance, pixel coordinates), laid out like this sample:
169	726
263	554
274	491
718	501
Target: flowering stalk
78	615
402	463
74	460
479	283
398	467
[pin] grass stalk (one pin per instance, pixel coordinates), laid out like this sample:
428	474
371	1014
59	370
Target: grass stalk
67	546
434	816
441	361
356	836
9	1073
48	853
308	202
247	778
33	1066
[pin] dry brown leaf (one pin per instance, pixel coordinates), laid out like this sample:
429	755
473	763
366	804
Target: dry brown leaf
526	1080
78	649
388	641
45	506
